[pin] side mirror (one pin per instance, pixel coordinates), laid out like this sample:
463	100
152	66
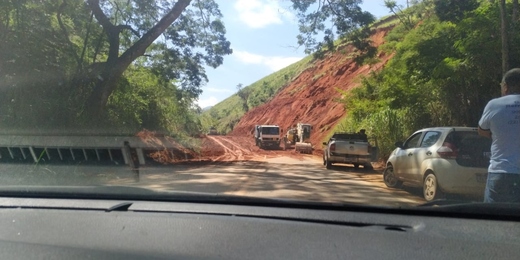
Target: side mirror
399	144
324	143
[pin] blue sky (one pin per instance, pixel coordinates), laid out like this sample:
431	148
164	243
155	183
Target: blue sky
263	38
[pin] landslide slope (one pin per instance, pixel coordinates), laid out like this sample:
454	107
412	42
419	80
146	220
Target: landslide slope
312	97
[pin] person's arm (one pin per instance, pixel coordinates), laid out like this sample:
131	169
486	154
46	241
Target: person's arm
484	124
483	132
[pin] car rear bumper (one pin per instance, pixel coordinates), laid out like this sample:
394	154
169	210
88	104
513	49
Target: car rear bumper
361	159
457	179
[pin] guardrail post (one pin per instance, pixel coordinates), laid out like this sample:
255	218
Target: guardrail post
140	156
33	155
10	152
127	154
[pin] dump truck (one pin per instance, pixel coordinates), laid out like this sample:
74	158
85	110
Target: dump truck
299	137
267	136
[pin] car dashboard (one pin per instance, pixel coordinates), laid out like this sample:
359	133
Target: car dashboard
114	229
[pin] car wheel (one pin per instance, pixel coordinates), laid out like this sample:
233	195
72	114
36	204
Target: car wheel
356	165
431	189
368	166
328	164
389	178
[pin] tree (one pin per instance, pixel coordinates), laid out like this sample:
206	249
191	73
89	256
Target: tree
139	63
505	38
243	94
396	10
334	19
130	28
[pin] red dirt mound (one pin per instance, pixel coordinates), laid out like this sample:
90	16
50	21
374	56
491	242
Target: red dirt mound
312	96
160	148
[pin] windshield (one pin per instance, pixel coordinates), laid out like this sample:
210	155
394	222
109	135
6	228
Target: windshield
270	130
168	95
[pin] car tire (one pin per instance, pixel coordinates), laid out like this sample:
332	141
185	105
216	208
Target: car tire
328	164
356	165
389	178
368	166
431	189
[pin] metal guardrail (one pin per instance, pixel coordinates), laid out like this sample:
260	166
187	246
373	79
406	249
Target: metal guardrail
127	150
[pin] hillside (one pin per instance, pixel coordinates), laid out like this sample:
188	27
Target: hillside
227	113
312	96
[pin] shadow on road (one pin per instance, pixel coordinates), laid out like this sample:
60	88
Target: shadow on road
277	180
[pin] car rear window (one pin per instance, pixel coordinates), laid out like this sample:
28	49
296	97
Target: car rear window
473	149
349	137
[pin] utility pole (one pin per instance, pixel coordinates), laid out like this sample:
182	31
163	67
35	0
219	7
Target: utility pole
503	30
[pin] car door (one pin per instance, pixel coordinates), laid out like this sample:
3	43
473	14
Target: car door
421	153
404	156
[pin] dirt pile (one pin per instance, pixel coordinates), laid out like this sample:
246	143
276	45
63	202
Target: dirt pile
164	149
313	97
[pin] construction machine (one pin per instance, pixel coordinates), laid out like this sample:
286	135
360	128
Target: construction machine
299	136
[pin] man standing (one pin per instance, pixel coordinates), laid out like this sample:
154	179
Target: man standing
501	122
363	134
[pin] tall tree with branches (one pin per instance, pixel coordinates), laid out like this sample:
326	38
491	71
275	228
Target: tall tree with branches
192	33
336	19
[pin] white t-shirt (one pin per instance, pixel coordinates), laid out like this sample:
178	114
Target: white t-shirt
502	117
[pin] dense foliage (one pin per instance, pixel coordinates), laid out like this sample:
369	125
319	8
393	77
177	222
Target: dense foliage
106	64
340	19
443	73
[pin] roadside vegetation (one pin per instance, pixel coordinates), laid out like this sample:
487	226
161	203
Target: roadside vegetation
445	69
107	67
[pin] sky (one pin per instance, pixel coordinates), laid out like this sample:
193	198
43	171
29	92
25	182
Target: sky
263	38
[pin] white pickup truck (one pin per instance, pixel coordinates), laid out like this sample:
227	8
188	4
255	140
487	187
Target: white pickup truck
349	148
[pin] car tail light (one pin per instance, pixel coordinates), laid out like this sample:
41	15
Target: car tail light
333	147
447	151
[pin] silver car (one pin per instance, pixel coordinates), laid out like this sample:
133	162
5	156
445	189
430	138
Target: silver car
443	160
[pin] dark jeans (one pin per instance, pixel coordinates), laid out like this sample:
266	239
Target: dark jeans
502	187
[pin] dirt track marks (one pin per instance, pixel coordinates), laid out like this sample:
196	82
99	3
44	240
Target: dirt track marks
233	151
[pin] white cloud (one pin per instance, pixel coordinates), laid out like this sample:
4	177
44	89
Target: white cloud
260	13
274	63
211	101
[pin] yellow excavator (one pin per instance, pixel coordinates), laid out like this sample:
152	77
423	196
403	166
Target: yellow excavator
300	137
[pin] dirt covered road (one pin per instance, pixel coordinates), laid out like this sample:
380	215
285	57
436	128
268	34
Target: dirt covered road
220	148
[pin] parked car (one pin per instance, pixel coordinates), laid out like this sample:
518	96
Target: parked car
443	160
